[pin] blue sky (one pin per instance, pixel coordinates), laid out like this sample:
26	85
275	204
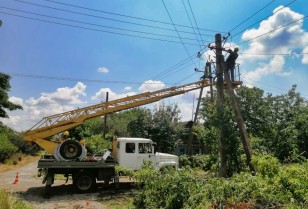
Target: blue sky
64	54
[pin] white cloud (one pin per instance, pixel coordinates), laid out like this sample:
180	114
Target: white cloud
151	85
103	70
101	95
274	67
64	95
285	40
128	88
16	100
305	56
34	109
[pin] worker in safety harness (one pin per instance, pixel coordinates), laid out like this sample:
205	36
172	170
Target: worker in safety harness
230	61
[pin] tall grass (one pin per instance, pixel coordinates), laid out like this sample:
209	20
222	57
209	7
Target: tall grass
9	201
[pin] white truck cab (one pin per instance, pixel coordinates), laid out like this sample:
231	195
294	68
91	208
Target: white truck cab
132	152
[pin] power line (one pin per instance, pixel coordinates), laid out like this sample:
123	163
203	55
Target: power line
128	16
272	87
75	79
92	24
191	75
251	16
174	67
177	32
190	22
100	17
97	30
195	21
264	18
272	54
290	23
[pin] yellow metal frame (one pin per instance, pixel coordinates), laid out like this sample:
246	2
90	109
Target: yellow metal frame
51	125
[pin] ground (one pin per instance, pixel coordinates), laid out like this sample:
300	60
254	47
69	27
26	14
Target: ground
31	189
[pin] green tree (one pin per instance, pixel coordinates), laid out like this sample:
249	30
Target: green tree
4	98
90	127
166	129
141	125
118	123
276	124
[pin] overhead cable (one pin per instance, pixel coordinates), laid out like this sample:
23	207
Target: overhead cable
286	25
97	30
264	18
76	79
177	32
100	17
190	22
92	24
251	16
128	16
195	21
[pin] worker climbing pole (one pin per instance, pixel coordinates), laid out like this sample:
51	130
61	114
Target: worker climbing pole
223	76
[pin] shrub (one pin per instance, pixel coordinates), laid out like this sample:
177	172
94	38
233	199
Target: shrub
294	178
203	162
97	143
282	187
6	148
266	165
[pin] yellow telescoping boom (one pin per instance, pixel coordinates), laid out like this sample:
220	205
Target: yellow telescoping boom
55	124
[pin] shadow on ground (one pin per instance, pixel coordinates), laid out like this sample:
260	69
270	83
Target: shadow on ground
66	191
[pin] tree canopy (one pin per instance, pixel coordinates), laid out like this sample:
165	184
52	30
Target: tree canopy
277	125
4	98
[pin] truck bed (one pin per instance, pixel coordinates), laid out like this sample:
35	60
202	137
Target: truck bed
90	162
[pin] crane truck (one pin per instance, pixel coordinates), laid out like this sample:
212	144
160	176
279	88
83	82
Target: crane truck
69	157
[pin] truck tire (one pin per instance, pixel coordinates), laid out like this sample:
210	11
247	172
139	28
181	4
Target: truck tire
70	150
84	182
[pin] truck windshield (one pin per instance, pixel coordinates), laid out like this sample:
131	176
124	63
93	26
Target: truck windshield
145	148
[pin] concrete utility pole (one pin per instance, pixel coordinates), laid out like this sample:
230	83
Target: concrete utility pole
240	121
220	107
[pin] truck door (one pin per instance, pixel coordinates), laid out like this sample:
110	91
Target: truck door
128	156
145	153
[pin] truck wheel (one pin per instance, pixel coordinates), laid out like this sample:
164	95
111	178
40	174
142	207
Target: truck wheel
70	150
84	182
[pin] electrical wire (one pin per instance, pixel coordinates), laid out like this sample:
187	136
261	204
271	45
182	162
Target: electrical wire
251	16
177	32
195	21
75	79
190	22
264	18
100	17
273	54
128	16
92	24
191	75
271	86
97	30
171	69
286	25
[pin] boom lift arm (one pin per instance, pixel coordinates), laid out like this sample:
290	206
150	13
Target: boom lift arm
52	125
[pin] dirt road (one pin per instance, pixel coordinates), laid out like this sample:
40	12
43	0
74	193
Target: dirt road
31	189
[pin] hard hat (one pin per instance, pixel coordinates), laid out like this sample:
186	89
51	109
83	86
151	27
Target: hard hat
66	133
236	49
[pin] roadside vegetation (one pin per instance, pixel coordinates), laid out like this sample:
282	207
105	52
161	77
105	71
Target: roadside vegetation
13	148
10	201
275	186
